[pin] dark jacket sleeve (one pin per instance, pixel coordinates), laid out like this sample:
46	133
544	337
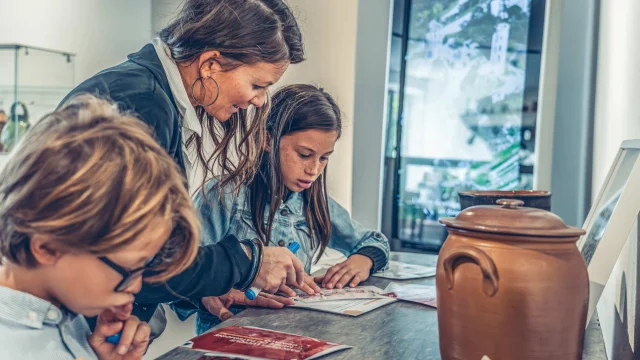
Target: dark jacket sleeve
217	268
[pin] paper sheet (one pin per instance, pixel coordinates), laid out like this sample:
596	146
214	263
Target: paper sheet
402	271
360	292
348	301
421	294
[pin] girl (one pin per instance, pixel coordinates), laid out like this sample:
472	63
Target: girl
90	204
196	85
287	200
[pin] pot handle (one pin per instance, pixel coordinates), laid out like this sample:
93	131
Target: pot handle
478	257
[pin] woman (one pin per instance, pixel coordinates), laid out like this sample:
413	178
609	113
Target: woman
202	86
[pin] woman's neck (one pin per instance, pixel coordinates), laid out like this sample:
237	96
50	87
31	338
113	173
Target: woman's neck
25	280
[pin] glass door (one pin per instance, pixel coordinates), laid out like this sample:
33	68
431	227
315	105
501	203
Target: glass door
465	106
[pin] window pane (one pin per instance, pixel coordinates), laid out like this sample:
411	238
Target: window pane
398	16
470	98
393	96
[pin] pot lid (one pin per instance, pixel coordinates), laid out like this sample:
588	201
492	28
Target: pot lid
509	217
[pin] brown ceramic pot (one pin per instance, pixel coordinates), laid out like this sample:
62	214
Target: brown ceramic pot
511	285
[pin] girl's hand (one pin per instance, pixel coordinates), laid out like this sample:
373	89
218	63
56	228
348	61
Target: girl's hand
309	286
133	341
354	270
219	305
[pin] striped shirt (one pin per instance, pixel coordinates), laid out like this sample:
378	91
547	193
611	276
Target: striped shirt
33	328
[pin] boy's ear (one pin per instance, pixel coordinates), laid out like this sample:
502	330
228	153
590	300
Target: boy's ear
44	250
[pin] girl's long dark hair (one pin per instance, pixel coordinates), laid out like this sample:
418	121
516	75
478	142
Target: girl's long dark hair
294	108
244	32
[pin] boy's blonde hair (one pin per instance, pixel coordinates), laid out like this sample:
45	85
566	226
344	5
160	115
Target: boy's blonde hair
93	179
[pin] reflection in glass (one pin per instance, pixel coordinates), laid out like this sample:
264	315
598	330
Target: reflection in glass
16	126
469	107
597	229
32	83
608	202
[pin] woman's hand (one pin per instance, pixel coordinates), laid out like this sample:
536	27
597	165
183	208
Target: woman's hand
354	270
219	305
134	339
279	267
310	287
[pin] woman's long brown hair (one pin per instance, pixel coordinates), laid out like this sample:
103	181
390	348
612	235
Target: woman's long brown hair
244	32
295	108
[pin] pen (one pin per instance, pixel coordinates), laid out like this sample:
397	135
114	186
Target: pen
114	339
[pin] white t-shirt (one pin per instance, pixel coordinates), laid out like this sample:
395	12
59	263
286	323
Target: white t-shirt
190	121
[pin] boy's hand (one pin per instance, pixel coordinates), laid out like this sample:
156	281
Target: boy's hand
219	305
133	341
354	270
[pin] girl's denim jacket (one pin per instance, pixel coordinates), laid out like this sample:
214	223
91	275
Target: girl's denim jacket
223	214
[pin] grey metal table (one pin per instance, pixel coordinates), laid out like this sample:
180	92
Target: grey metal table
397	331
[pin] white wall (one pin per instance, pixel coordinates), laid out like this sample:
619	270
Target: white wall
100	32
618	84
370	109
572	141
329	33
162	11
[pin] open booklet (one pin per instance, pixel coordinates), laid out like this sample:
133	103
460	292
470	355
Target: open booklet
402	271
421	294
251	343
347	301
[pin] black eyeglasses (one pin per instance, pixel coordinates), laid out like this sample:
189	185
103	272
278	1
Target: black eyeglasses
128	276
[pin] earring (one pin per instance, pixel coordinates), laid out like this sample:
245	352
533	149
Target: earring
193	96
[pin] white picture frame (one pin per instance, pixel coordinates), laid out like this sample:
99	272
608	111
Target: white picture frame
611	219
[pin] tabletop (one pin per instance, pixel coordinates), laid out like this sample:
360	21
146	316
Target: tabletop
400	330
